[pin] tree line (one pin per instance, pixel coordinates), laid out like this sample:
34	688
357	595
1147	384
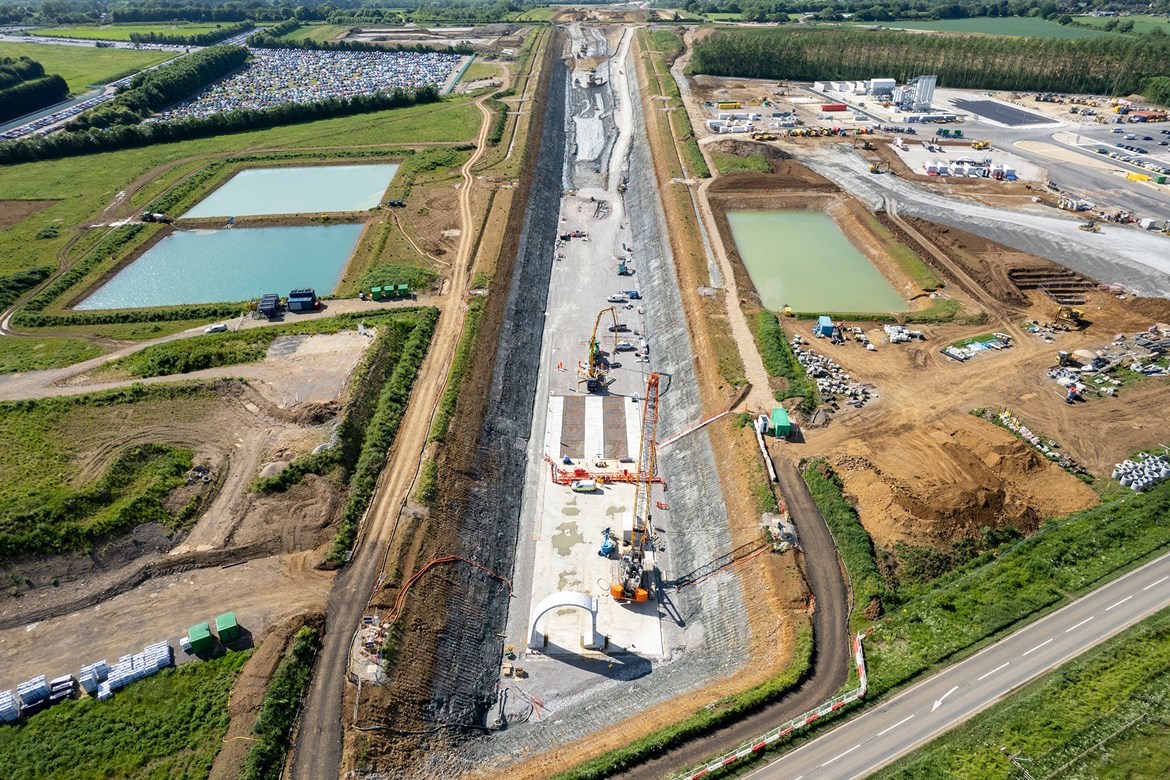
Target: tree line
193	39
133	136
24	87
155	89
265	40
1110	65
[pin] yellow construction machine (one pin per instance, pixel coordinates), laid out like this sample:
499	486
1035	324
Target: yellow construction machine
863	143
593	373
1090	227
761	136
981	144
1070	315
879	167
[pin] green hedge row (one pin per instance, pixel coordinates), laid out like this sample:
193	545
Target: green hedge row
195	39
780	360
460	365
15	285
278	712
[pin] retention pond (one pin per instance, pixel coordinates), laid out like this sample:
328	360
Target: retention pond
216	266
312	189
803	260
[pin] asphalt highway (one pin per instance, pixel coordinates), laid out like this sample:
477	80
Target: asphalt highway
939	703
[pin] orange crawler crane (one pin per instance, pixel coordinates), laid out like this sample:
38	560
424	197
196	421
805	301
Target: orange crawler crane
629	583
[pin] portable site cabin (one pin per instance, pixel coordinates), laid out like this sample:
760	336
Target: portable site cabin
269	305
227	628
200	637
303	300
824	326
781	425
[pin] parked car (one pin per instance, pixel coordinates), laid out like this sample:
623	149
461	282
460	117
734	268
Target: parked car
634	295
220	328
625	346
617	298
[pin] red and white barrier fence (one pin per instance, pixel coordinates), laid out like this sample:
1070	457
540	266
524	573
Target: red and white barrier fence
716	765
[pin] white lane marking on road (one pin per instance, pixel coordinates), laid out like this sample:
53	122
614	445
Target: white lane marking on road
993	671
896	725
1159	582
938	702
1037	647
1118	604
842	755
1078	625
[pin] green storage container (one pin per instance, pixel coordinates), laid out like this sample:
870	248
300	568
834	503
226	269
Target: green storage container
1160	178
377	293
404	291
781	426
200	637
227	628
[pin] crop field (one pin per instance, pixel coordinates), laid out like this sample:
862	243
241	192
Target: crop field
68	480
170	725
18	355
1010	25
543	14
1111	703
479	70
1142	23
122	32
83	66
316	32
84	185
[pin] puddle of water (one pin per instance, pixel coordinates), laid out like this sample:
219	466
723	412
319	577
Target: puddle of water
802	259
310	189
568	534
214	266
615	510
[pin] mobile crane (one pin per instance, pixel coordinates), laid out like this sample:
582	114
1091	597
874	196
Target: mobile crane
593	372
629	582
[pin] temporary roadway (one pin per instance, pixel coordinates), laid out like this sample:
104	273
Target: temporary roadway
953	696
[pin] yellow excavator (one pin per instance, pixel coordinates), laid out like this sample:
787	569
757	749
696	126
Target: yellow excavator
879	167
863	143
1090	227
629	581
593	373
1070	315
981	145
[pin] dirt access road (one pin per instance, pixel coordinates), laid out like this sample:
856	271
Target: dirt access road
316	754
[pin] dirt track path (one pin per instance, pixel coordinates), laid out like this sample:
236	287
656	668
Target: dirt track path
318	748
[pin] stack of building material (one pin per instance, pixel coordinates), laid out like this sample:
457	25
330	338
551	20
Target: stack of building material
62	688
94	675
131	668
9	707
1141	475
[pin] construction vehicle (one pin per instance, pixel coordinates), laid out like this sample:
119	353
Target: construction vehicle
1063	359
981	144
1068	203
863	143
629	582
762	136
585	485
623	269
608	543
1090	227
879	167
593	372
1069	314
148	216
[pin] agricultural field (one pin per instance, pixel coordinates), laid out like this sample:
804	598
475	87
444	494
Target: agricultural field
316	32
83	66
122	32
1105	714
542	14
1010	25
1142	23
170	725
479	70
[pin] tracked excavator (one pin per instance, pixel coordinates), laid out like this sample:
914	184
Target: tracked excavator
879	167
593	372
630	583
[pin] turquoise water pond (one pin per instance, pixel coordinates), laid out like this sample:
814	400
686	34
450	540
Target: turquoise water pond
312	189
236	264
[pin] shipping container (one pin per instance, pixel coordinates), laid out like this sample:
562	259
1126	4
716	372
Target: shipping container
834	107
200	638
227	628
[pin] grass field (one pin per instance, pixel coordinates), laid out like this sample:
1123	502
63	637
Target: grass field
542	14
1094	704
1010	25
85	185
733	163
59	491
316	32
122	32
18	355
82	66
480	70
1142	23
167	726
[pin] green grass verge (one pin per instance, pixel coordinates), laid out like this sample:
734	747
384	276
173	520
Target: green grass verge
701	722
18	355
779	360
1079	721
460	365
479	70
945	619
83	66
428	483
316	32
733	163
972	339
282	703
911	264
122	32
1008	25
852	540
393	274
167	726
